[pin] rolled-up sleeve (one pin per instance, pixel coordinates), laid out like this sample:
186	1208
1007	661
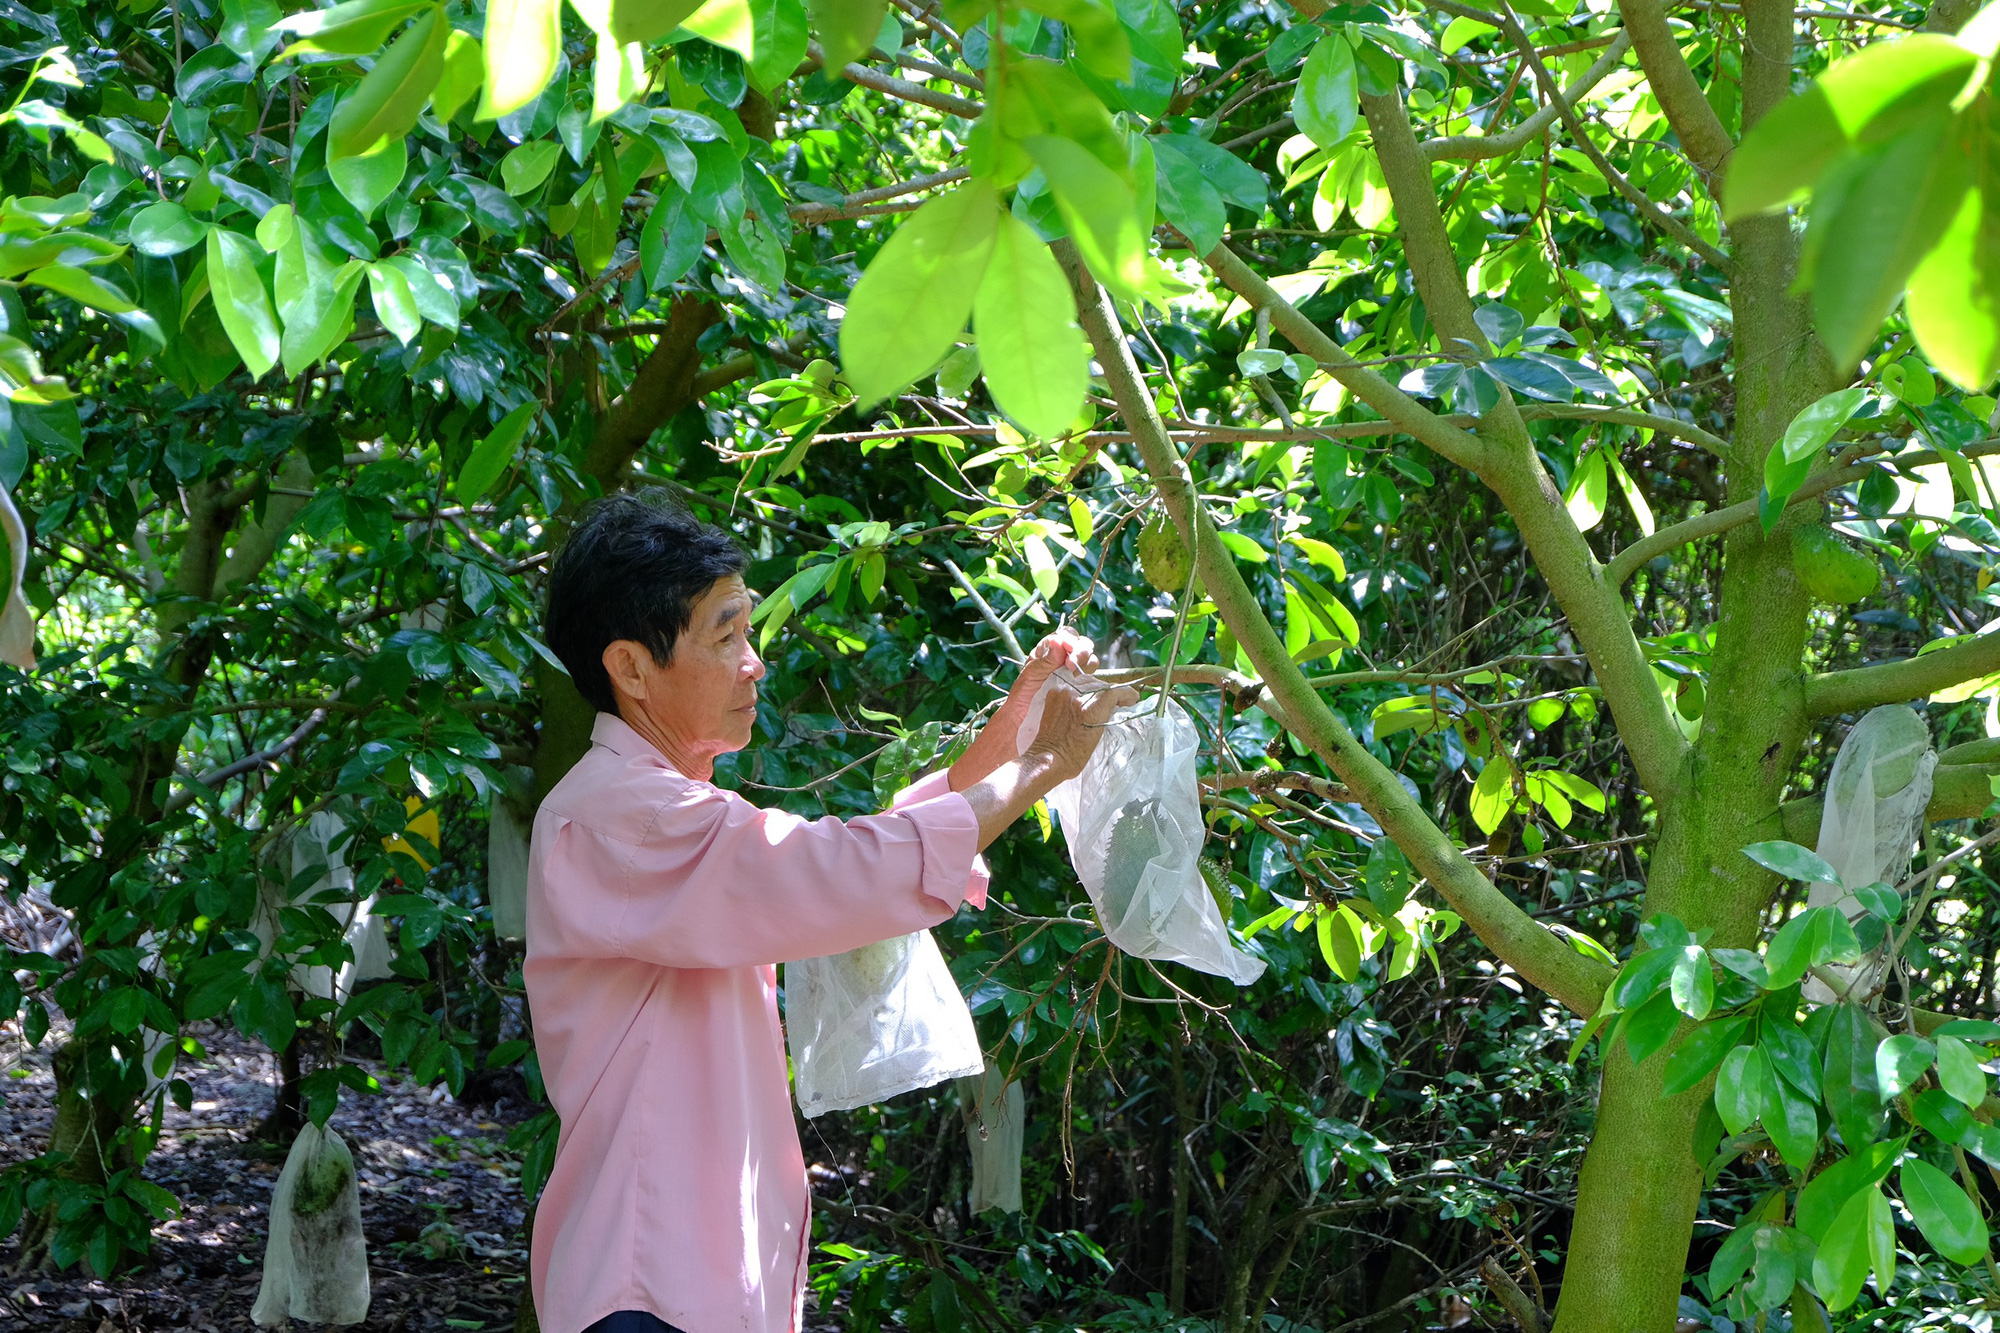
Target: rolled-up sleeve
950	833
704	879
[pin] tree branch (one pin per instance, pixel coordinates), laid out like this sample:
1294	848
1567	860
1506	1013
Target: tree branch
1530	948
1426	244
1625	416
811	215
1674	86
1406	413
660	388
257	543
902	89
986	612
1899	682
1478	147
1638	198
1595	610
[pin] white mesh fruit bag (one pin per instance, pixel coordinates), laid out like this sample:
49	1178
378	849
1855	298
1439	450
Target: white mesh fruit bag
316	1260
995	1119
1875	801
1133	822
876	1022
507	870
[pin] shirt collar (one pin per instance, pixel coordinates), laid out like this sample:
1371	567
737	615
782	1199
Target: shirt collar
617	735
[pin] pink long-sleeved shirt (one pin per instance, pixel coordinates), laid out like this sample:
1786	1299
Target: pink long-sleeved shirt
657	907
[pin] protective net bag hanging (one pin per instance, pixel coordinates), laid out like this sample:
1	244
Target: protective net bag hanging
995	1119
1875	801
878	1021
316	1260
319	850
1133	822
507	869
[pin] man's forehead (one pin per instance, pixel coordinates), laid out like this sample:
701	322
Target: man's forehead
728	599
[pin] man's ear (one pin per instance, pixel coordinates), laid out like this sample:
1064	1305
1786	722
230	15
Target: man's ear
622	663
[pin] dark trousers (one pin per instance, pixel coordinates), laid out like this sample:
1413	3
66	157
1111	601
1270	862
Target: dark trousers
632	1321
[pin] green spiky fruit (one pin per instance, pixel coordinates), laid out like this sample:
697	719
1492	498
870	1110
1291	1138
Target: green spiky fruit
325	1174
1137	837
1163	556
1832	570
872	967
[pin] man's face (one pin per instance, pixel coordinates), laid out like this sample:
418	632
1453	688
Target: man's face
703	701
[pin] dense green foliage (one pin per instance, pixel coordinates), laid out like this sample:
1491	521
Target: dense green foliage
319	329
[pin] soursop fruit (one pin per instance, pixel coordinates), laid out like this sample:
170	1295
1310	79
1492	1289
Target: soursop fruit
1163	556
1138	837
872	967
1832	570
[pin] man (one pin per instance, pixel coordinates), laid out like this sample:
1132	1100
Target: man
658	904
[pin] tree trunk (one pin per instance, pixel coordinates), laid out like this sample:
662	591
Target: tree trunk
94	1105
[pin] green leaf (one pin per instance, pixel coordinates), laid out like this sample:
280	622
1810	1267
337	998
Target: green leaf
490	457
1462	30
240	299
1848	1082
81	286
1649	1027
1959	1073
164	229
1814	428
1187	199
1841	1265
321	320
276	228
1033	355
389	99
1693	984
1794	948
1792	1055
1940	1116
912	303
1700	1053
353	28
1101	211
1326	104
394	305
1792	861
1898	208
368	181
464	70
1589	491
1782	155
1492	794
526	166
1340	943
846	28
1790	1120
1827	1193
1742	1088
522	43
1909	78
1954	297
1102	46
1732	1259
780	28
1900	1061
1042	567
1945	1214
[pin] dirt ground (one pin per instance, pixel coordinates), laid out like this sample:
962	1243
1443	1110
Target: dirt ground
440	1204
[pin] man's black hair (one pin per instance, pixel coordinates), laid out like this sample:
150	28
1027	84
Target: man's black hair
633	568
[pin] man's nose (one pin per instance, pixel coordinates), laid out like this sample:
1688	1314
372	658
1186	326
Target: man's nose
753	665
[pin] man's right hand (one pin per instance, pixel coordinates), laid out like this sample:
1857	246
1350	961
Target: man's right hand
1071	728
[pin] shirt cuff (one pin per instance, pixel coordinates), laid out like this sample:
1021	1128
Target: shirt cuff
954	871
